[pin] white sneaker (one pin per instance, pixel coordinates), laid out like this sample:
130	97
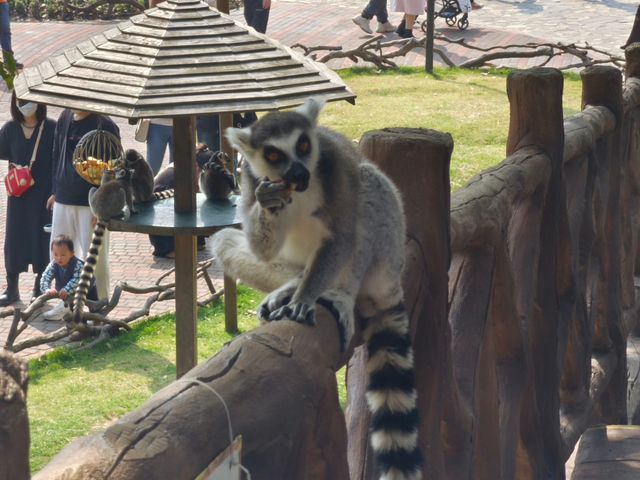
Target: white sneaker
363	23
385	27
56	313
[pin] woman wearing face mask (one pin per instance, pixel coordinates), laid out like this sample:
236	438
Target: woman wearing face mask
26	243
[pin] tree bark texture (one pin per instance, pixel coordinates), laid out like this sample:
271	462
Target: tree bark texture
418	162
14	424
279	384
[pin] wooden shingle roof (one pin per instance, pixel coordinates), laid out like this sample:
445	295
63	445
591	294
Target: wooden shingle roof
180	58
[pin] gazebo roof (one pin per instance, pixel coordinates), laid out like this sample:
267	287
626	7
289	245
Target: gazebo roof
180	58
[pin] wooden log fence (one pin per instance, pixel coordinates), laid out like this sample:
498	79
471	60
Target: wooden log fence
521	295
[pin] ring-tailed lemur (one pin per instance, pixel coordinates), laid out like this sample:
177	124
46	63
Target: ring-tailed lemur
322	224
215	180
112	198
141	178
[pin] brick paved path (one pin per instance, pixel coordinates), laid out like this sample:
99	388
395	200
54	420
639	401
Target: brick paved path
315	22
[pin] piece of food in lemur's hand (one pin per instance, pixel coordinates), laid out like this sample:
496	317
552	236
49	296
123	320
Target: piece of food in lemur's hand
273	195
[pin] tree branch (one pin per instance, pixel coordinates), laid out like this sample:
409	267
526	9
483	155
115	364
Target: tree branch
381	53
99	311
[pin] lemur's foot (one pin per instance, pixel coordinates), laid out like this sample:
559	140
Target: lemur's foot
298	312
274	301
341	306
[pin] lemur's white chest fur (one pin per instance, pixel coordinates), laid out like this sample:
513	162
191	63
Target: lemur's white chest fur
306	231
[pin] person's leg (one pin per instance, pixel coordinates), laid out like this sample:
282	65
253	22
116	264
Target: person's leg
370	9
249	10
208	129
406	26
36	292
156	145
170	142
62	223
380	10
260	19
5	28
12	293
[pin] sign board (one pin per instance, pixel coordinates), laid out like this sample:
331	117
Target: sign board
225	466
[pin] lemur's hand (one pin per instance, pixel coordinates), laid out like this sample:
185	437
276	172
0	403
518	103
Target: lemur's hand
273	196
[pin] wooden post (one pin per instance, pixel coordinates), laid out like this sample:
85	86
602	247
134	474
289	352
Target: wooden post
230	289
418	162
632	55
634	36
536	119
14	424
186	253
602	86
230	305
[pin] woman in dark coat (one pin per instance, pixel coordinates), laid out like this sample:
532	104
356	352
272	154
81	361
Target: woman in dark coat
26	243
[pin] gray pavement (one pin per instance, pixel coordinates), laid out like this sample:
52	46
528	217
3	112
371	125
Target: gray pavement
603	24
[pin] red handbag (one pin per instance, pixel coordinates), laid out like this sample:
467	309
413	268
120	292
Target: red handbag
19	178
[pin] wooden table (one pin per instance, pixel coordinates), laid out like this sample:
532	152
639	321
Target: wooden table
160	218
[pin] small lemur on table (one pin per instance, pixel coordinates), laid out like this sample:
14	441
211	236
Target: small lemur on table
323	225
112	198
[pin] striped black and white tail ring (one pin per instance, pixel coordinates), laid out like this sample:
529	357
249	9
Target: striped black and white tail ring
391	396
88	270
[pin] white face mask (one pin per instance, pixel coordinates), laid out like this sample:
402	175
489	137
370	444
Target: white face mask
28	109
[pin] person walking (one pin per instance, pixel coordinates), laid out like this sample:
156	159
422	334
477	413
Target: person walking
26	243
377	8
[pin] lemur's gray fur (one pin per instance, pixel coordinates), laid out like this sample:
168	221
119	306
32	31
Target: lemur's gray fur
112	198
141	178
322	224
215	180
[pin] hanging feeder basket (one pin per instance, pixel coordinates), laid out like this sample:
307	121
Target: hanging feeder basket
97	151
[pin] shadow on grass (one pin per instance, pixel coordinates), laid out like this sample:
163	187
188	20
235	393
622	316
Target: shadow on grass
122	353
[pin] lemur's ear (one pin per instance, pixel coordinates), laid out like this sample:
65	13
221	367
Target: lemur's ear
240	139
311	109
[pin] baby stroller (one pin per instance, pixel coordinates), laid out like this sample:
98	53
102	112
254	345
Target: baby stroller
450	10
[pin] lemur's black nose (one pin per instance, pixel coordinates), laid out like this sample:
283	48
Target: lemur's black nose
298	177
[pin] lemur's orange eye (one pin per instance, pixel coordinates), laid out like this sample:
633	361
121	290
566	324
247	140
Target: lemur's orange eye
273	155
303	145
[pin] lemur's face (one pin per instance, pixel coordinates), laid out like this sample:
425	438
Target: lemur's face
281	146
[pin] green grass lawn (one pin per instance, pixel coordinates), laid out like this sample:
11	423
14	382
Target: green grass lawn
74	393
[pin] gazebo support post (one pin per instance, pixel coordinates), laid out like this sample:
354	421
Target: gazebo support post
185	251
230	291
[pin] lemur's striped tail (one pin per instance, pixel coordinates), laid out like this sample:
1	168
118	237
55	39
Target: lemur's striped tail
164	194
82	290
391	395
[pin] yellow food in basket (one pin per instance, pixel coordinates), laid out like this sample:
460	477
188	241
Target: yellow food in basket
91	169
